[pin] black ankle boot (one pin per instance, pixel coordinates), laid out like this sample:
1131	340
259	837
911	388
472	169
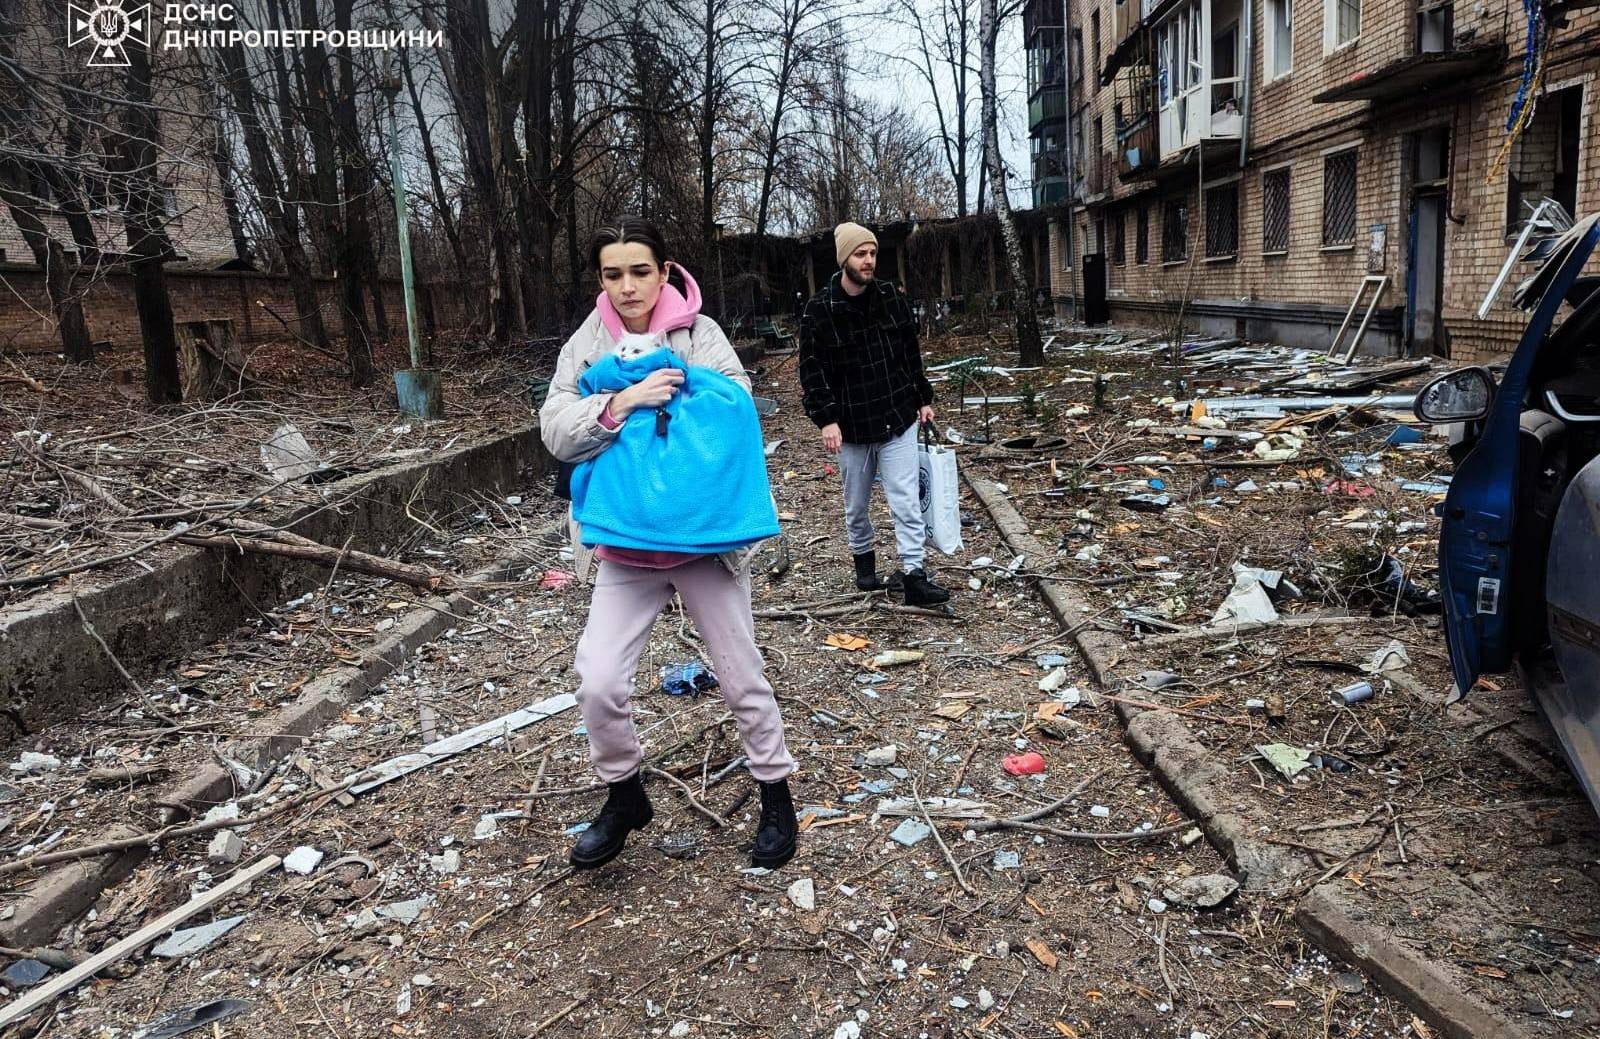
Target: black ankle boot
626	809
920	591
778	828
867	571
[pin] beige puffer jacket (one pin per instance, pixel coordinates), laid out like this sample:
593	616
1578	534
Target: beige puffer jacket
570	425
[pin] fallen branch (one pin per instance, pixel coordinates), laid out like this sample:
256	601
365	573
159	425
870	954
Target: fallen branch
295	547
984	825
955	867
144	697
688	794
1084	835
1246	627
154	837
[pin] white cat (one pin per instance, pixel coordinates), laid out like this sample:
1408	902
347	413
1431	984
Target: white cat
636	344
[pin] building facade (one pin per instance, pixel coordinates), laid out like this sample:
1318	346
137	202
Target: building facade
1260	162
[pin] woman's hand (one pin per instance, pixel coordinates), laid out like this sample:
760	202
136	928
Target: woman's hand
653	391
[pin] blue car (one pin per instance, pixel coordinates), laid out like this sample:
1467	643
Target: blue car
1519	543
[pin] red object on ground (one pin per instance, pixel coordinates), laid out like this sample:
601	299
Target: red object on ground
1027	764
830	470
557	579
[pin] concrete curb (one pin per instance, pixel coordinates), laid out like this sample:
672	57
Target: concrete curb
65	892
1402	973
1162	742
1194	778
50	669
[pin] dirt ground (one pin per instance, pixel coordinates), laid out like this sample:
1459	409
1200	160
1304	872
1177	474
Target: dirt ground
1007	932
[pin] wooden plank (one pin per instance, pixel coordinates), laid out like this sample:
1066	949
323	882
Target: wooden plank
20	1008
388	771
322	780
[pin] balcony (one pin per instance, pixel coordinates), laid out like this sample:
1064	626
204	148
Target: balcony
1049	181
1137	151
1047	108
1198	85
1407	78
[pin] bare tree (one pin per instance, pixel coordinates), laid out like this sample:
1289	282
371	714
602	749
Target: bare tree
943	62
1029	343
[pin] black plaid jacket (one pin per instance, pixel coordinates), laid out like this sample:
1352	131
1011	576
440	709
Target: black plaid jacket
860	365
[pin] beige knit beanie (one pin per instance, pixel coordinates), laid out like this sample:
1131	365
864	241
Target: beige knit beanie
848	237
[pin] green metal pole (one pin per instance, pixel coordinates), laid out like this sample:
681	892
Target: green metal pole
399	178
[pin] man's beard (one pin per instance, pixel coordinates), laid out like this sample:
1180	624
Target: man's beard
856	276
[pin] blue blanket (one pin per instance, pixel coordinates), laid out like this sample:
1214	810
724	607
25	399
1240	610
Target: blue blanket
700	488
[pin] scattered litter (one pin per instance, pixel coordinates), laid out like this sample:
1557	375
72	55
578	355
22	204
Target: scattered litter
847	642
1155	905
1006	860
1353	693
1289	761
1100	811
687	679
1153	680
180	1022
407	912
1247	602
32	761
24	974
555	580
302	860
882	756
445	863
897	657
225	847
1027	764
1392	657
1049	661
935	807
287	455
1053	681
910	832
803	894
1147	502
1203	892
192	940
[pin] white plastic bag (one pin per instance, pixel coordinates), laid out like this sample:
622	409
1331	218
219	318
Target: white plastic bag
941	496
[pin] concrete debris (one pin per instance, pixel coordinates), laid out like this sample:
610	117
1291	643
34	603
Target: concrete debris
303	860
910	832
1201	892
225	847
882	756
194	939
803	894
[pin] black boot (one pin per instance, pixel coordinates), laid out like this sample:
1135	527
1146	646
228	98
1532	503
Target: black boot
867	571
778	828
920	591
626	809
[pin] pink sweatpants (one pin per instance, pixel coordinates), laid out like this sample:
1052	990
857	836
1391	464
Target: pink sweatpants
624	607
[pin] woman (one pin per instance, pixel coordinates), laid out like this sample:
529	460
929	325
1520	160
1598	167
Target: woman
631	587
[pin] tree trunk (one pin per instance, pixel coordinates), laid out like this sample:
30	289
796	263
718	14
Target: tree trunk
336	238
356	172
1030	346
222	159
441	201
147	240
282	218
52	259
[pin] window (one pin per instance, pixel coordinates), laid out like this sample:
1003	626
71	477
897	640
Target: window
1341	22
1077	55
1094	48
1275	211
1061	246
1222	220
1141	240
1100	235
1545	158
1175	230
1119	239
1280	38
1339	198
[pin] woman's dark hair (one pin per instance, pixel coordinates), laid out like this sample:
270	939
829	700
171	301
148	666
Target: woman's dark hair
628	229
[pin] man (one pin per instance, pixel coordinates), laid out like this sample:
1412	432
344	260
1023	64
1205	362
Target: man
861	373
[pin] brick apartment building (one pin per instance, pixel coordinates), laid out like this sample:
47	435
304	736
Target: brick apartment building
196	219
1260	158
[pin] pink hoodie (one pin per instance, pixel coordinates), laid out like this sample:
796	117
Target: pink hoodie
673	311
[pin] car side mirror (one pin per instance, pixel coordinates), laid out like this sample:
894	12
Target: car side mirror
1463	395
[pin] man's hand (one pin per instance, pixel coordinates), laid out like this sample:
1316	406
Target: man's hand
926	414
653	391
832	438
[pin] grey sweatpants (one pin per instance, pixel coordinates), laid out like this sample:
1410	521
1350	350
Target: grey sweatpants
896	461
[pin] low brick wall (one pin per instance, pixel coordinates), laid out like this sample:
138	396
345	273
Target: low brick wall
26	321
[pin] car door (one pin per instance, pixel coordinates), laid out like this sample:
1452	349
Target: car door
1479	512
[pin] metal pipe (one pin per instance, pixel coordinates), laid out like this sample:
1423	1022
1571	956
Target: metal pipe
1066	146
397	173
1249	21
